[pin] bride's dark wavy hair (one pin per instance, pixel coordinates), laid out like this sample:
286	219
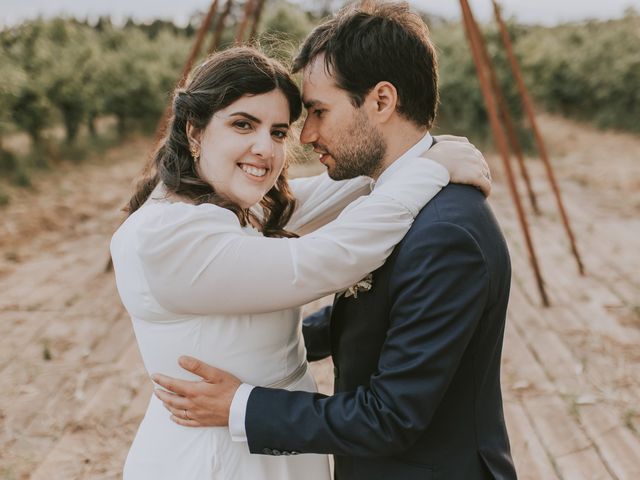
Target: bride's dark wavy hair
222	79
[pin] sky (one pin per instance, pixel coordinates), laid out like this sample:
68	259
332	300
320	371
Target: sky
547	12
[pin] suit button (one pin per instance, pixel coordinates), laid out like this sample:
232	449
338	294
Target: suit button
267	451
336	372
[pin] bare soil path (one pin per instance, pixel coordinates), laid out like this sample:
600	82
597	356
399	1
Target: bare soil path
74	390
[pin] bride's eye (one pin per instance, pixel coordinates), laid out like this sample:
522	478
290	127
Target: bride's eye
242	125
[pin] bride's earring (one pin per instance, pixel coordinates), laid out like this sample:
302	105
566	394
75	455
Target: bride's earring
195	153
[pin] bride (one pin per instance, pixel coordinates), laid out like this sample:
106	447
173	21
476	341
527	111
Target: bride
220	250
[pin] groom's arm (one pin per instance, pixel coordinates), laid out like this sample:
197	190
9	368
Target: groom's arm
439	290
317	338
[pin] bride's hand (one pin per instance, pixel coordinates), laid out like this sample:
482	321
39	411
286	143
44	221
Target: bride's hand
465	163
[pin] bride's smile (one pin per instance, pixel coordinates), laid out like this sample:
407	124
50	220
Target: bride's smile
243	147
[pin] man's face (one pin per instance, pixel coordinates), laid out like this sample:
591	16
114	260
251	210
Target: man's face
348	143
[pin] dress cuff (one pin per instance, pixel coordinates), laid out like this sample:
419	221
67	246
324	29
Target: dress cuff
238	411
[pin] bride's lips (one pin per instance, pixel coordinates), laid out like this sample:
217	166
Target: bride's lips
254	172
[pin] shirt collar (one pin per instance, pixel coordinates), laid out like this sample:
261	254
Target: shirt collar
416	150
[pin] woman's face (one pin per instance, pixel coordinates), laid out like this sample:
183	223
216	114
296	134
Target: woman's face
242	149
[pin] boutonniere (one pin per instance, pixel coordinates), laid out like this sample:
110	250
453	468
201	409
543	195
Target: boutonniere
363	285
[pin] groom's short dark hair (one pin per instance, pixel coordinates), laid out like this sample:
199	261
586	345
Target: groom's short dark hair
375	41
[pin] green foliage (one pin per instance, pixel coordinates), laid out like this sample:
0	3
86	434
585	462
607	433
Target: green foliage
462	108
65	72
587	71
283	19
4	198
21	178
70	78
70	73
31	111
126	87
12	77
28	54
8	162
283	29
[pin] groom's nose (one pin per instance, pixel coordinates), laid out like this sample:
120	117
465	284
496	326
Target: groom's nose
309	133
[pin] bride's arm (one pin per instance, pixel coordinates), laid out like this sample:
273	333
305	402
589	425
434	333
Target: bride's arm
319	200
199	260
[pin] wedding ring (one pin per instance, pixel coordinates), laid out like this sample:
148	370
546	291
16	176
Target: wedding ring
186	414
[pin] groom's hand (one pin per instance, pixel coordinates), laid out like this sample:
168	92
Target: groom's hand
205	403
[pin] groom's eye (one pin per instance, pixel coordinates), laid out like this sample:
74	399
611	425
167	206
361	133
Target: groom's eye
318	112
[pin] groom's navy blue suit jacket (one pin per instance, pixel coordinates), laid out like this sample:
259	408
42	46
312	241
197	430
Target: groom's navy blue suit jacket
417	360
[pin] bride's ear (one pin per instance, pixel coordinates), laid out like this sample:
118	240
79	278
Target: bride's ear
194	136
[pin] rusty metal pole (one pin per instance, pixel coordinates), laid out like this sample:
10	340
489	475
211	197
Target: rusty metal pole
242	28
204	28
501	140
219	29
256	19
528	105
508	121
195	49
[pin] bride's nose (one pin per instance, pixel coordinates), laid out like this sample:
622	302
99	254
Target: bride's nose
263	145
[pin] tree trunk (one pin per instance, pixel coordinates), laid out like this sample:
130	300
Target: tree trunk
71	126
122	126
38	151
91	124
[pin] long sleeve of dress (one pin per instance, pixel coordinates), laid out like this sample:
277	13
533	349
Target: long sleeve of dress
319	200
198	259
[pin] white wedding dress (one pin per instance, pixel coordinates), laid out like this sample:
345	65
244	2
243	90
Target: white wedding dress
197	283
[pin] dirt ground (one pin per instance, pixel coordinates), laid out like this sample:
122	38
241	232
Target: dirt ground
74	390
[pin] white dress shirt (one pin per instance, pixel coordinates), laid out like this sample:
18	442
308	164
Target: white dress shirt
237	413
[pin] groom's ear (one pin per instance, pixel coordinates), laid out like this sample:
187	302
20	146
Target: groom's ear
382	101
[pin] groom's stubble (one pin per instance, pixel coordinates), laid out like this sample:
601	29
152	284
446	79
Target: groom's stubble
360	149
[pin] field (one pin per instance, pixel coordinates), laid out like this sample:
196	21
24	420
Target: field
74	389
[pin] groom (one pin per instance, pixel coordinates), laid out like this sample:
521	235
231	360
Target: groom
417	357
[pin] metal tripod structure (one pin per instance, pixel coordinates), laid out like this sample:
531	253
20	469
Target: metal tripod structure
500	120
